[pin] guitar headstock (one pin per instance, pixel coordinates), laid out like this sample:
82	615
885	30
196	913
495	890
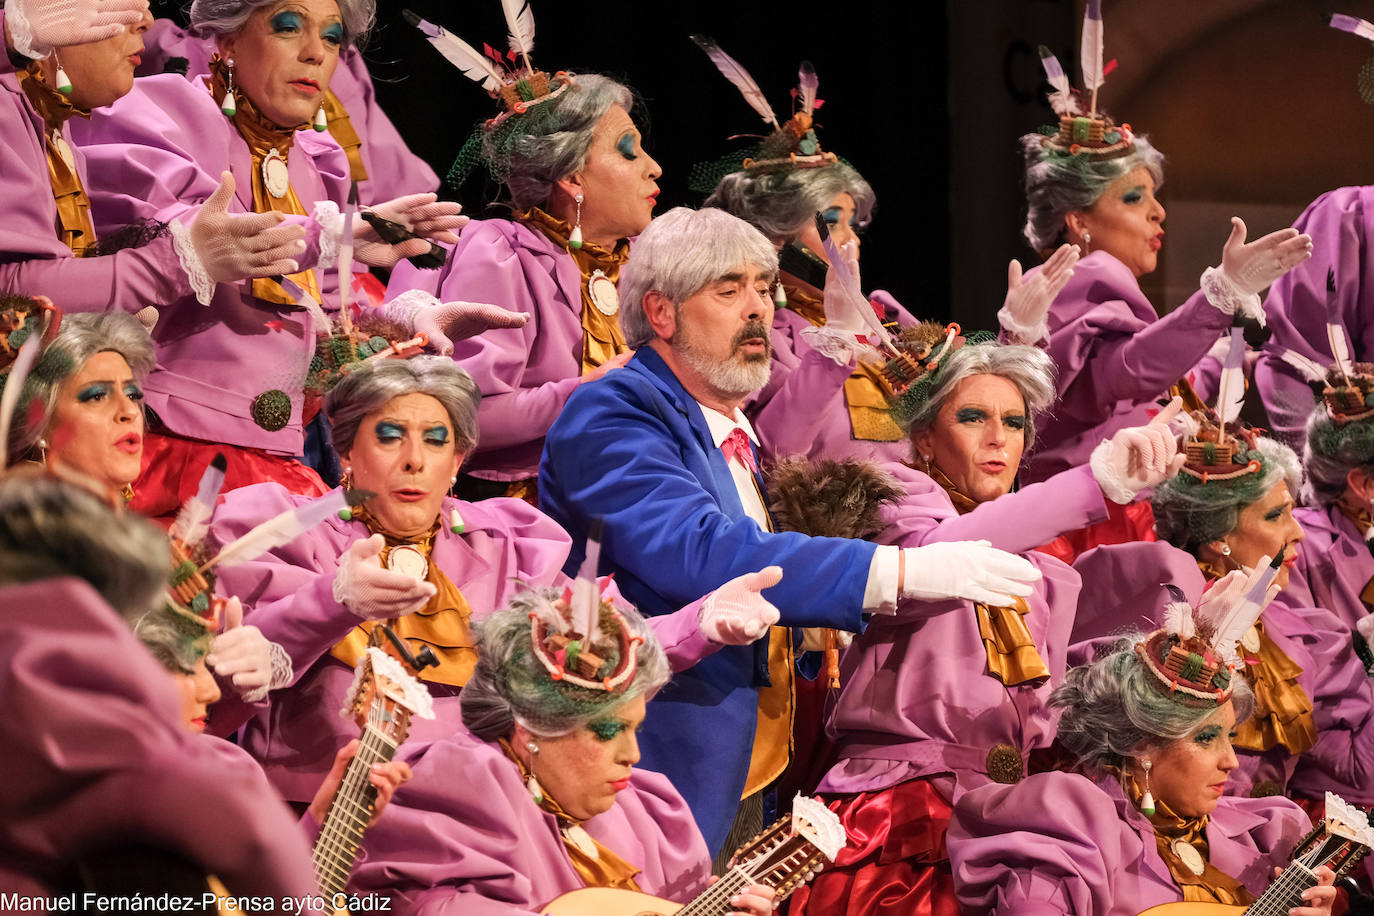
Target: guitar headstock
1344	836
790	852
385	691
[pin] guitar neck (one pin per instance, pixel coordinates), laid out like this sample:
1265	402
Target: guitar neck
336	849
716	899
1285	893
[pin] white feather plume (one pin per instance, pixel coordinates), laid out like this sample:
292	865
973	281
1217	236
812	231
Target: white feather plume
1340	350
193	521
808	84
1231	385
459	53
1353	25
1231	623
1091	48
1178	618
520	26
1310	369
730	68
1061	99
306	301
280	529
867	318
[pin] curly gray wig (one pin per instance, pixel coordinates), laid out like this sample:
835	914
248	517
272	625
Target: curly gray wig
780	204
1190	513
213	18
372	386
1030	369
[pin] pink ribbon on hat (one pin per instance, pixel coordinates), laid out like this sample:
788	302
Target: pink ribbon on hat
737	445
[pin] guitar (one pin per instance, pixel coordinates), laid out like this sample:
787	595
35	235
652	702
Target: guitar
1339	842
385	695
782	857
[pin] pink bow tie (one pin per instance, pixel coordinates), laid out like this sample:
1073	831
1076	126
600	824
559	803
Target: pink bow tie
737	445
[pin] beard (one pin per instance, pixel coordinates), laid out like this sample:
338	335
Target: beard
737	374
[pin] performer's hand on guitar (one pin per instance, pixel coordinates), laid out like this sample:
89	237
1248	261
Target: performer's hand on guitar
387	777
1318	899
754	900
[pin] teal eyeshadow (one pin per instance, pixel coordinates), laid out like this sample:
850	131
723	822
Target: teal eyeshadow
626	146
91	392
286	20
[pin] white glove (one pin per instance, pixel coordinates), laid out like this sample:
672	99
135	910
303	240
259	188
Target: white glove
423	214
374	593
1248	270
840	337
224	247
736	614
252	663
1138	457
37	27
972	570
1023	313
1228	591
444	322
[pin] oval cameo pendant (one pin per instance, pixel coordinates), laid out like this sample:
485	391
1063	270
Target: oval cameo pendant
275	176
603	293
1190	857
1251	640
408	560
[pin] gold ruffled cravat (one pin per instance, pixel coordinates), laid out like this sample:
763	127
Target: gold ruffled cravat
864	394
1283	710
1171	830
262	137
443	624
600	869
341	129
1013	657
602	337
74	225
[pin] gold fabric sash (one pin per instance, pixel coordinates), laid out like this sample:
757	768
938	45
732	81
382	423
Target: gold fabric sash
1013	657
341	129
443	624
870	419
1283	711
263	136
606	869
74	226
1213	885
602	337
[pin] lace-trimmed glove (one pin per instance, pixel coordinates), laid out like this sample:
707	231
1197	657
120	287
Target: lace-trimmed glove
1025	310
224	247
1248	270
252	663
445	322
736	614
374	593
1138	457
423	214
971	570
839	337
1365	627
37	27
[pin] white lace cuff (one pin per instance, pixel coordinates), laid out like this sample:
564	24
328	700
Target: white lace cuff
331	222
190	262
403	309
281	676
1019	333
21	34
1227	298
1113	487
841	346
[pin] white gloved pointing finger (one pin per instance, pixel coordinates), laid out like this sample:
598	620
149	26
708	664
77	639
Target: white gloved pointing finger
736	614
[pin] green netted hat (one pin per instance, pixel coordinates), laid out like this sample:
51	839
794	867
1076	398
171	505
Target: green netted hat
913	374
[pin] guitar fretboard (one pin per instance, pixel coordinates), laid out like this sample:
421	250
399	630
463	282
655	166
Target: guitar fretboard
779	865
336	849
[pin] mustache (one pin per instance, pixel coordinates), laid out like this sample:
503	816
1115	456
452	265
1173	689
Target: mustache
752	330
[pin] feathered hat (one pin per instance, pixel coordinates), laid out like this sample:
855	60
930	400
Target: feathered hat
1365	29
922	352
1220	447
580	638
791	144
27	326
1091	135
1193	657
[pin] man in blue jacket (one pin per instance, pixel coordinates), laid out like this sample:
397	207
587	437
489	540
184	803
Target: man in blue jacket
662	454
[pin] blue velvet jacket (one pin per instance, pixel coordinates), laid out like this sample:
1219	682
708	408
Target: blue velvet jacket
633	449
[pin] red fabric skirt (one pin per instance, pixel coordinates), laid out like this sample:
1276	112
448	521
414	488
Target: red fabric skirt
1123	525
172	468
895	862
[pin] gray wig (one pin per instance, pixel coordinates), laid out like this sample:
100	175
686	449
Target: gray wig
531	161
373	385
212	18
1057	184
1030	369
1190	513
51	528
511	685
782	203
1332	451
679	254
78	339
1114	709
167	642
